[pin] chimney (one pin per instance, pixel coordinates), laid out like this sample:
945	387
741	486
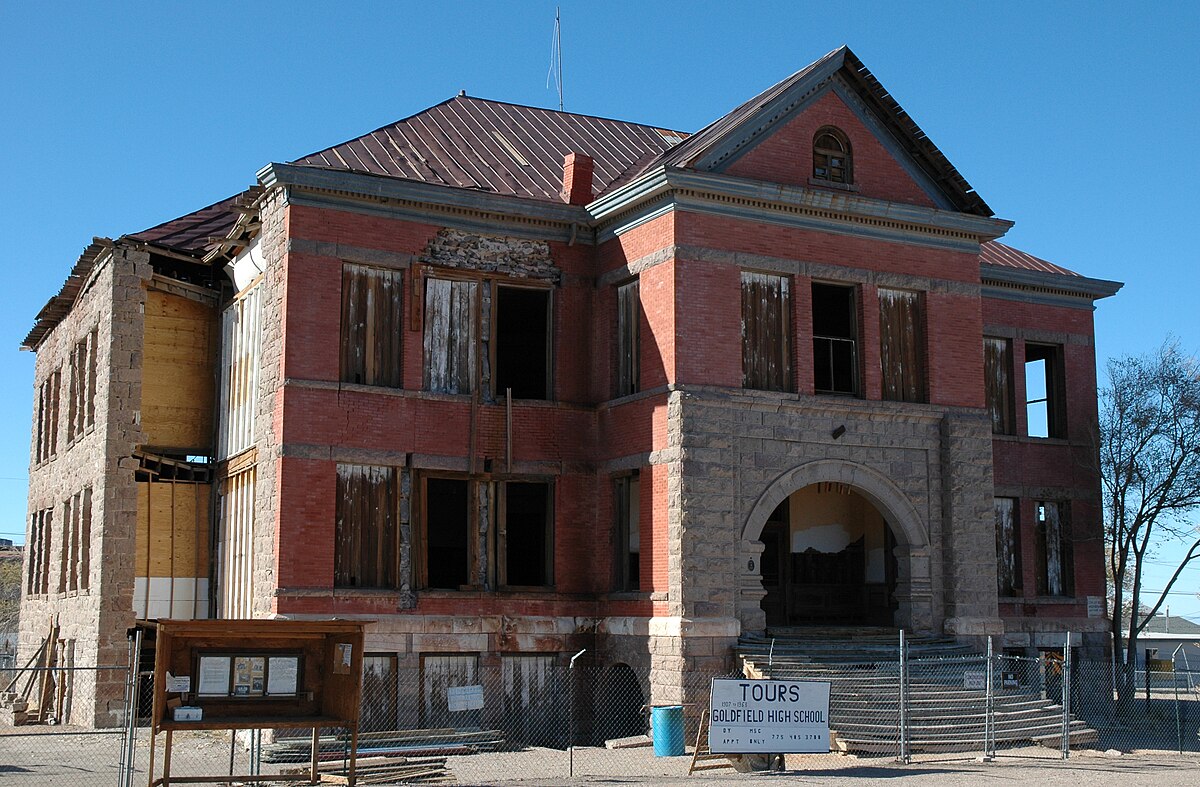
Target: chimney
577	179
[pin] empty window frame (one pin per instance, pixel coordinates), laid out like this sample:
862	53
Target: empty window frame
372	325
75	569
997	382
445	533
901	345
766	332
1053	548
366	547
82	405
40	525
522	342
629	312
525	534
835	339
47	417
627	503
832	156
1045	402
451	335
1008	547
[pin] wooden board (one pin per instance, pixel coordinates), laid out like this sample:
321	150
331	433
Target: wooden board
172	529
177	372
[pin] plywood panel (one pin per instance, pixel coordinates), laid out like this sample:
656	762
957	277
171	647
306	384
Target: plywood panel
177	373
173	530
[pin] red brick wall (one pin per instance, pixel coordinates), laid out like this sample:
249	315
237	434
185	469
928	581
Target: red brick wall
786	155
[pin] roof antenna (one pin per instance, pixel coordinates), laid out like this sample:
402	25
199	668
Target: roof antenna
556	59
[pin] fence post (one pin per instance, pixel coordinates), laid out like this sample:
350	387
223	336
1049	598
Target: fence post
989	721
132	704
571	721
904	754
1178	718
1066	698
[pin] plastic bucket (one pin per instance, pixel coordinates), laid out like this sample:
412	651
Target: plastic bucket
666	727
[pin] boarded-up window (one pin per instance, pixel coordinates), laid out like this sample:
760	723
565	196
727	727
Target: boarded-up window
629	313
451	309
380	693
82	406
523	342
835	339
1045	402
40	525
1055	556
77	534
901	346
525	534
627	501
240	342
535	700
366	546
438	675
446	533
235	545
47	417
997	381
372	325
766	332
1008	547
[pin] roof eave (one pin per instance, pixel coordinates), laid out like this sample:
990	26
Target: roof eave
1084	286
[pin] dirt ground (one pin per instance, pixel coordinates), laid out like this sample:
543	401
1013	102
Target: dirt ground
32	757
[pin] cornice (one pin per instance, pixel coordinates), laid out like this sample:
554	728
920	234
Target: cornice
998	279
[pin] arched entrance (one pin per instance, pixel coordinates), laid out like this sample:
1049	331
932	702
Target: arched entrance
895	588
828	558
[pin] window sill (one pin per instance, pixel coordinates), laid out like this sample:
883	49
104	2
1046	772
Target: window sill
829	184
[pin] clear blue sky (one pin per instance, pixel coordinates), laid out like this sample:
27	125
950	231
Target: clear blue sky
1079	121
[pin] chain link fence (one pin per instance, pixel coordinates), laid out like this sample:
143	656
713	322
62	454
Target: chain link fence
455	719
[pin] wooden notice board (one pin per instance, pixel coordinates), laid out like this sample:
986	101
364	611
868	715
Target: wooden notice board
256	674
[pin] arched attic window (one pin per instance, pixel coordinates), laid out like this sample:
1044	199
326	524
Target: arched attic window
832	158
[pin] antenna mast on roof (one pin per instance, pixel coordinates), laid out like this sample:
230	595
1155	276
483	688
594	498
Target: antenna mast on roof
556	59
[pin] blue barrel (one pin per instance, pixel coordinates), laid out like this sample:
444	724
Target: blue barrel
666	727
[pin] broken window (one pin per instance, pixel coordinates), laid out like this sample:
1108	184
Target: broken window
1055	556
366	542
47	417
451	335
1044	394
766	332
997	381
372	325
831	156
524	535
446	533
629	314
82	405
901	345
627	501
40	525
835	339
523	342
1008	547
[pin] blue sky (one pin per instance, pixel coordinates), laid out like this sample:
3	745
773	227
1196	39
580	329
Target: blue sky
1078	121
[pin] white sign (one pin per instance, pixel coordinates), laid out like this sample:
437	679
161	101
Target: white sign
770	716
1095	606
975	679
464	698
178	684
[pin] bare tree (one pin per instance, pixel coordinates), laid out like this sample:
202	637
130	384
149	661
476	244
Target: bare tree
1150	469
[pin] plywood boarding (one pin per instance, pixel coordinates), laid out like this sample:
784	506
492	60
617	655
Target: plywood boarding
177	373
173	530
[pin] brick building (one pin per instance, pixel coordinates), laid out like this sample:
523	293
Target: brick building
513	382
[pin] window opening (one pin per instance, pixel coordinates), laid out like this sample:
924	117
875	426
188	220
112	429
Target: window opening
627	495
366	546
628	332
525	535
901	346
447	549
1054	550
47	420
1008	547
831	156
766	332
997	381
1043	391
523	342
450	335
372	325
82	410
835	339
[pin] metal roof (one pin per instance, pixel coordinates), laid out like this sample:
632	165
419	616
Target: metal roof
193	231
497	148
996	253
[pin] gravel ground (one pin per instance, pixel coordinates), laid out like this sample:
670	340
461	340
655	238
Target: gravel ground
67	758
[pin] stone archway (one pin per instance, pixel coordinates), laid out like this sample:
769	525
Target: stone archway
913	590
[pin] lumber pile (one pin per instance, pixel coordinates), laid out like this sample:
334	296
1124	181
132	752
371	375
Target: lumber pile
32	703
392	743
383	770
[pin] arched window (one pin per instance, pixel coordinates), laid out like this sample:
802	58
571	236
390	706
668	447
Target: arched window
832	156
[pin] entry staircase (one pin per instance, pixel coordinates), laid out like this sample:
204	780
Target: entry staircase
862	666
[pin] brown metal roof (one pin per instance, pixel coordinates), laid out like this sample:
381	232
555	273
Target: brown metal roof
192	232
60	305
498	148
996	253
